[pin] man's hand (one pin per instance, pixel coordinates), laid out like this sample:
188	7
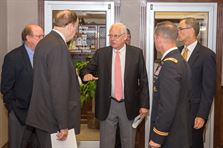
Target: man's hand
153	144
143	112
198	122
62	134
89	77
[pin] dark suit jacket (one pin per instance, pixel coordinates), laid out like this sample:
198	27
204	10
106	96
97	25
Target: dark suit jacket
203	67
135	81
170	121
17	80
55	102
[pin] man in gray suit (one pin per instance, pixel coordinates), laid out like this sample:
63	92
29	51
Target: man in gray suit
122	87
55	102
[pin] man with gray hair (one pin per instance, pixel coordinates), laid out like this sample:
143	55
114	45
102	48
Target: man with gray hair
122	87
170	127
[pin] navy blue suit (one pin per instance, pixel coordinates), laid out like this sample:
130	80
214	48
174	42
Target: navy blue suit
16	87
17	81
203	67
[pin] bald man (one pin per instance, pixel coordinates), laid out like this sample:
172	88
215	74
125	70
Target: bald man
55	102
122	87
16	86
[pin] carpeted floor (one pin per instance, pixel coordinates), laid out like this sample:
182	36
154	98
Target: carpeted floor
88	134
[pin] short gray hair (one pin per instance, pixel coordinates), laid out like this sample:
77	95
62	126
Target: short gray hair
167	30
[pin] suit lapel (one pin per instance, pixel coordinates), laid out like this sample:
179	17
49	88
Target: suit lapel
109	57
26	60
194	55
128	59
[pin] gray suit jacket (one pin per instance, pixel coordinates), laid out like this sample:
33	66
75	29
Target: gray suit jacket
55	102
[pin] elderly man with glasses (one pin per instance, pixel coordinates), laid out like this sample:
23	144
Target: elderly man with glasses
122	87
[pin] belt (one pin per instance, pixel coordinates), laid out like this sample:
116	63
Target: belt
122	100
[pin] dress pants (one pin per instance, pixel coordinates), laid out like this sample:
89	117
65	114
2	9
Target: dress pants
43	138
29	139
117	138
197	138
197	134
117	115
21	136
16	131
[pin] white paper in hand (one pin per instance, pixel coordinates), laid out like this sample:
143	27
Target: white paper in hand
70	142
137	121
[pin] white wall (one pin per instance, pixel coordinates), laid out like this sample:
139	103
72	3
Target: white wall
130	15
3	49
19	13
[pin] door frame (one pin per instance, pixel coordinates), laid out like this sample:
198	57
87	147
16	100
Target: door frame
153	7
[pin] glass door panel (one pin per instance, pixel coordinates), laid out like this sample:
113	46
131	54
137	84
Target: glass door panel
206	13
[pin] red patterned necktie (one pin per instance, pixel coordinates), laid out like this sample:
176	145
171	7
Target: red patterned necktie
118	77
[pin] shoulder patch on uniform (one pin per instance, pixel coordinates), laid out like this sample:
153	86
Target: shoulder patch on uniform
171	59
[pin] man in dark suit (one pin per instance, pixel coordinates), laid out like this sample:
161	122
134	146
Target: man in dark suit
16	86
203	66
55	102
122	87
170	125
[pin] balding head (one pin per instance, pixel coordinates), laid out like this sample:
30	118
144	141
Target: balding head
66	22
31	35
30	29
64	18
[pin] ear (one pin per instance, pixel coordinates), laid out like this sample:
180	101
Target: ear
28	37
125	37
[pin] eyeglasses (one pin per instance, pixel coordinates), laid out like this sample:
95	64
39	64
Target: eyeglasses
115	36
183	28
38	36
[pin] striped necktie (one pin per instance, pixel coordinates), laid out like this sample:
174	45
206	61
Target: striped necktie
185	53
